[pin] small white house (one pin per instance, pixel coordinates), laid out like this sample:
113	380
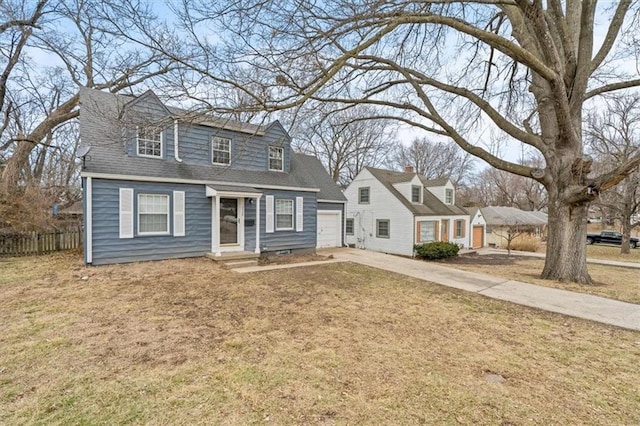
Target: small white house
391	211
477	228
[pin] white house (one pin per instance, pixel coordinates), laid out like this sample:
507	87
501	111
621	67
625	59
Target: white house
477	228
392	211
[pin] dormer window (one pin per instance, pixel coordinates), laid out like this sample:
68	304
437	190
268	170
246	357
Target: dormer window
448	196
416	193
149	142
220	150
276	158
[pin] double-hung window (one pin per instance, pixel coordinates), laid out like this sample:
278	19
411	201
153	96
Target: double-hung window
349	226
284	215
363	195
448	196
383	228
149	142
459	228
416	192
220	150
153	214
276	158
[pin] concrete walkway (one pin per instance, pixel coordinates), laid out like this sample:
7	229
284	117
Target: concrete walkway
600	309
630	265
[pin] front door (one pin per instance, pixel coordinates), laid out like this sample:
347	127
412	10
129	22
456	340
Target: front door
445	231
228	221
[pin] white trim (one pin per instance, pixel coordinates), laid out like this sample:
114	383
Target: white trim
89	220
299	214
331	201
179	213
213	137
339	235
275	215
125	216
157	157
270	216
216	229
211	192
192	181
281	169
176	136
168	231
257	249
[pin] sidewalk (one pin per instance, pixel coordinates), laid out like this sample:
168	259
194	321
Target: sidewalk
631	265
600	309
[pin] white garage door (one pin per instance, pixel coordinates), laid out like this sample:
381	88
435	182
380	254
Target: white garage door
329	228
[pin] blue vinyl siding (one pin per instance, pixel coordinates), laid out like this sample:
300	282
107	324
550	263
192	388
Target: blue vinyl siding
248	152
109	248
287	240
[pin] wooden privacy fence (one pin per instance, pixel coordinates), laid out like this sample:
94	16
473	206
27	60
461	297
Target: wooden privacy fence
39	243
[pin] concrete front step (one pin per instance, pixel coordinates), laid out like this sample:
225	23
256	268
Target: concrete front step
238	259
241	264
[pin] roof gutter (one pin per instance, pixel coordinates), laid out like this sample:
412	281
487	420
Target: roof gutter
176	146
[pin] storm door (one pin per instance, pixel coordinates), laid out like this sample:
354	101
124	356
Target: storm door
228	221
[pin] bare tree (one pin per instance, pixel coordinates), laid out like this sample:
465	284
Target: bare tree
433	159
494	187
613	137
88	52
345	140
521	68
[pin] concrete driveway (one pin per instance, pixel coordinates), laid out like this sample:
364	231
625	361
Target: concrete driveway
600	309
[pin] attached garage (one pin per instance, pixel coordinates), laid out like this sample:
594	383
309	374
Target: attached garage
329	228
478	236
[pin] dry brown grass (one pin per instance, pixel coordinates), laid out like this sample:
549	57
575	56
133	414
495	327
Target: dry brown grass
526	242
612	282
597	251
186	342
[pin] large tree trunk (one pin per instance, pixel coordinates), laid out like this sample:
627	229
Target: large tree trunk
626	234
566	258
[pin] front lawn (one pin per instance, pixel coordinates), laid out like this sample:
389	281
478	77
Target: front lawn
609	281
186	342
598	251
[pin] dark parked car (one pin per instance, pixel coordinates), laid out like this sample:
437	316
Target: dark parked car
611	237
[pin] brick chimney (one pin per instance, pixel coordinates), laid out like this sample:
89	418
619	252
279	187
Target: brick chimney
408	169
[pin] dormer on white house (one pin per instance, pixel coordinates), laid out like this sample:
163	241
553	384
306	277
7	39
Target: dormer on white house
411	190
443	189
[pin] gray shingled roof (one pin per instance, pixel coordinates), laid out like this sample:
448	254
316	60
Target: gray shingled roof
499	215
431	205
101	129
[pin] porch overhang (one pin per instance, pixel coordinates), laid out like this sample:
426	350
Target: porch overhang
228	191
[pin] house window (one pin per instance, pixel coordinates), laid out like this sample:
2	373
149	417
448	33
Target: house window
349	227
427	230
383	228
220	150
284	215
415	193
448	196
149	142
153	214
276	156
363	195
459	228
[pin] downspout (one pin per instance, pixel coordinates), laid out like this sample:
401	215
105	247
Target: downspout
176	154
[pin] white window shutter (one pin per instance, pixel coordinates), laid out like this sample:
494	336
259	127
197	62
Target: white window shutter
126	212
299	215
178	214
269	215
